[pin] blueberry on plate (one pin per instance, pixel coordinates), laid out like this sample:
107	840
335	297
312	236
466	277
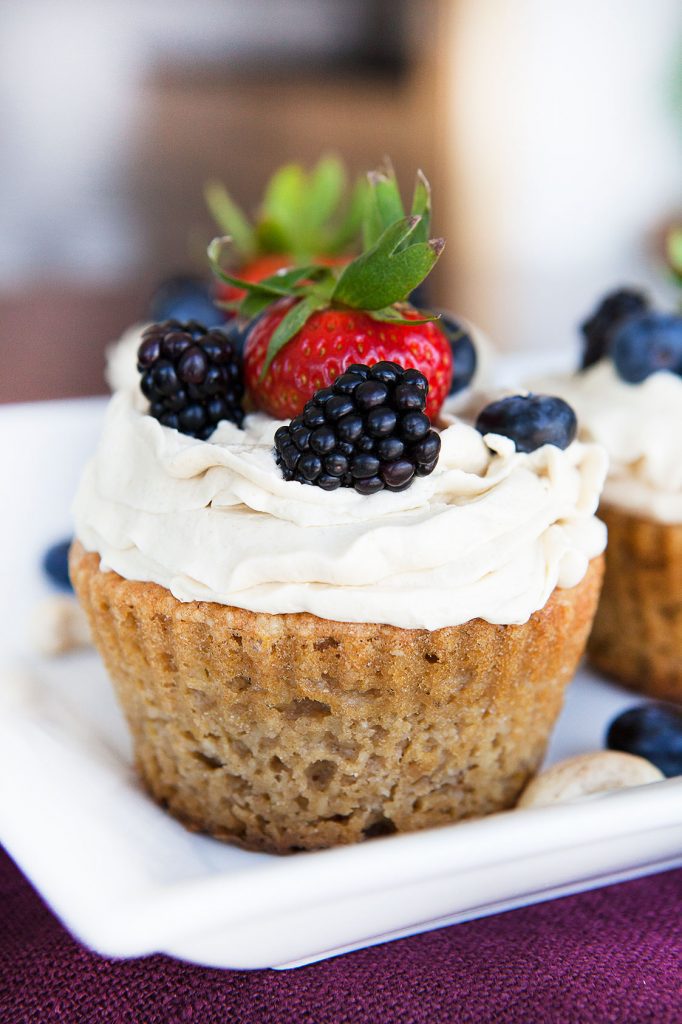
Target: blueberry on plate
185	298
530	421
647	343
463	352
56	564
653	731
612	311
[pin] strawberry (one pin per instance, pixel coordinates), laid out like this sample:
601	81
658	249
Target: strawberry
314	321
328	343
304	216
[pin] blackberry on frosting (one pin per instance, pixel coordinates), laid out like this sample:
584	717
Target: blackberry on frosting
368	431
191	376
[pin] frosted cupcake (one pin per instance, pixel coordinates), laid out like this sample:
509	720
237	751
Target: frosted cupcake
343	622
628	398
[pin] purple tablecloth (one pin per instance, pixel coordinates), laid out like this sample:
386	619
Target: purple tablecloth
613	955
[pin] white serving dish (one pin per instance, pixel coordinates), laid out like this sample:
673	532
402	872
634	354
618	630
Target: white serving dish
128	880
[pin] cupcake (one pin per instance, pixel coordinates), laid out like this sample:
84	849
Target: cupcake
329	619
628	398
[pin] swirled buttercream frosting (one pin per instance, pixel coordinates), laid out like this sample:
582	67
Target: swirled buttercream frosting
490	533
640	426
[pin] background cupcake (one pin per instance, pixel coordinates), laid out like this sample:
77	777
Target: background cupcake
628	397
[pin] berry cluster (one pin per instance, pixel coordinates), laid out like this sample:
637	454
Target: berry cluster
368	431
191	376
530	421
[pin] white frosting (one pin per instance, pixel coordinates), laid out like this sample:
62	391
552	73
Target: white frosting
489	533
640	426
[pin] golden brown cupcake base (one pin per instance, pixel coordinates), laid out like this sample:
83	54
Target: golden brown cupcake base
286	732
637	635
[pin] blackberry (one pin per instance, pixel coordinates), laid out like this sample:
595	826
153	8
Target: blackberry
191	375
611	312
530	421
368	430
464	357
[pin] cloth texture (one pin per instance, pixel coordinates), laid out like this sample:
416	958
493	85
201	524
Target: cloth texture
612	956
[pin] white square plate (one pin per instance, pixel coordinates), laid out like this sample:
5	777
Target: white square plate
128	880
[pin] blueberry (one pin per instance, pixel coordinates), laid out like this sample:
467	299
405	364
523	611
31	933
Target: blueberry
56	564
653	731
185	298
237	330
646	343
530	421
612	311
464	357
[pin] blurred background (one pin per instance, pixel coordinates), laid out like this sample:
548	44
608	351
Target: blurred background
551	133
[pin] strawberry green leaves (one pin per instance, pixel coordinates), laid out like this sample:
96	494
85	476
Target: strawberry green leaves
390	270
306	214
231	220
284	284
398	252
385	205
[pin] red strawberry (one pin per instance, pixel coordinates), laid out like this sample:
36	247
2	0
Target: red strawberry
315	320
331	340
